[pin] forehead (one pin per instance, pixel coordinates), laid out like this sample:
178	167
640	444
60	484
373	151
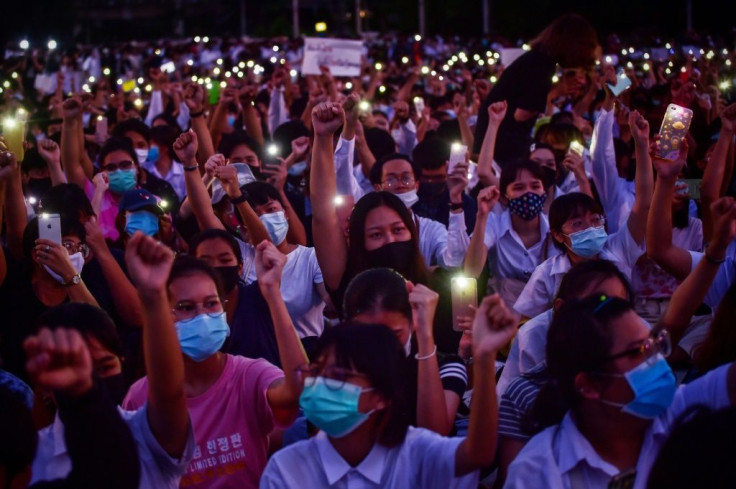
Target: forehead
392	319
242	150
397	167
117	156
542	153
382	216
96	350
524	176
194	286
627	329
215	246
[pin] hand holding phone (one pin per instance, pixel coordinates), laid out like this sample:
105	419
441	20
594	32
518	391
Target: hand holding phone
464	294
457	155
576	148
675	126
622	83
49	227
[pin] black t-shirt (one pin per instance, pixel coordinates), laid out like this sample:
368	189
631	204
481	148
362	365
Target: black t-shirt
523	85
251	328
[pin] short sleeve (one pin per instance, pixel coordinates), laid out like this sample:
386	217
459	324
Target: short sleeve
535	298
435	458
258	377
316	271
710	390
453	374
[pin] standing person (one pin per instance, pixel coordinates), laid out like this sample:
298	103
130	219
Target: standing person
367	439
569	41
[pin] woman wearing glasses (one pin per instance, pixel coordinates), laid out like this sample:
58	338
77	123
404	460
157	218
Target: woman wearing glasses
234	402
578	226
615	395
355	393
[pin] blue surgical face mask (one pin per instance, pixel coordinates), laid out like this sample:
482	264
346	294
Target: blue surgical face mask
143	221
332	405
276	225
231	120
153	153
202	336
122	180
588	242
654	386
297	168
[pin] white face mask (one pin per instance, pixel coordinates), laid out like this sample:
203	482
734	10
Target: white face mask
408	198
77	262
142	155
407	346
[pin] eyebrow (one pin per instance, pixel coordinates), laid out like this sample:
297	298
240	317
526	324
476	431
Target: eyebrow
211	296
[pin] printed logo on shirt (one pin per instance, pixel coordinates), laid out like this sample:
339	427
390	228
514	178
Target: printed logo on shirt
218	457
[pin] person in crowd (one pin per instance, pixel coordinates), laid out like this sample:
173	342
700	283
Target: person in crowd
362	369
161	160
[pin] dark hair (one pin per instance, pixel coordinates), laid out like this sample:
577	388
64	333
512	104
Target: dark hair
357	260
67	199
540	145
373	350
188	266
449	131
589	274
567	207
680	466
284	134
622	150
89	320
376	289
210	234
259	193
569	40
117	144
17	432
578	341
32	160
132	125
70	226
719	346
379	142
431	153
511	172
561	133
229	142
165	137
561	117
376	175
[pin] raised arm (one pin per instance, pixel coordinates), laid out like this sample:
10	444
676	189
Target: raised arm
493	328
251	119
575	163
149	263
283	395
277	178
460	105
715	171
14	203
51	154
329	242
692	291
228	176
70	150
195	102
475	258
644	182
496	114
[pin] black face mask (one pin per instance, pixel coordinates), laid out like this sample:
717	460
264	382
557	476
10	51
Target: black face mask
37	187
229	277
548	176
431	190
116	387
562	172
396	255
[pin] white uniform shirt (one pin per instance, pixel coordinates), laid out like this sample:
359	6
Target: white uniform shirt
440	245
175	177
424	459
541	288
158	469
725	277
560	457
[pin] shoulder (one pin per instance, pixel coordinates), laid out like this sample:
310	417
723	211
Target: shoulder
137	395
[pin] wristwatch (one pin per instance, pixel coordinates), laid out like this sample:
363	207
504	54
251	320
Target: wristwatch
73	281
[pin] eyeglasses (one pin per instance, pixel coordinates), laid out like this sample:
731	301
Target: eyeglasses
338	375
580	224
72	247
120	165
188	310
658	342
392	181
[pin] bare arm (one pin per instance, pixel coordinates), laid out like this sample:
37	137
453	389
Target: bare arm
228	176
475	257
51	154
715	171
644	181
70	150
15	206
194	99
251	119
496	114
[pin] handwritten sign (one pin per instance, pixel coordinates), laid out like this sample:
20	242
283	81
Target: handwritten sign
342	56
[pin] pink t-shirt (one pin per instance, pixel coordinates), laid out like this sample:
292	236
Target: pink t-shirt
108	211
231	421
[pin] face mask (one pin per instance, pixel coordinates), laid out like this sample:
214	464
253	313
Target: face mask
202	336
396	255
229	277
408	198
431	190
297	168
276	225
152	153
528	206
654	388
588	242
36	187
77	260
115	387
143	221
121	180
332	409
142	155
231	120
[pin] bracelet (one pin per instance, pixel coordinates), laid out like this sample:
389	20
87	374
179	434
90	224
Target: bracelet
239	200
454	206
192	115
714	261
425	357
190	168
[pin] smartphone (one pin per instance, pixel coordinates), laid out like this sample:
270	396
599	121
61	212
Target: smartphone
49	227
622	83
101	126
419	105
464	293
693	187
457	155
674	128
576	148
168	67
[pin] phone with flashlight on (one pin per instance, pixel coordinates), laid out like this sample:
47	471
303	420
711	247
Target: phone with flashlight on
464	296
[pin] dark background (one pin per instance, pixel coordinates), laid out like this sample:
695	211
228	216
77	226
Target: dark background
116	20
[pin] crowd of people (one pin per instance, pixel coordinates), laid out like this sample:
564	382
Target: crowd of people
219	272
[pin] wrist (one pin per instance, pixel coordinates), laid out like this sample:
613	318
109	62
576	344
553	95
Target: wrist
485	359
152	295
78	389
716	252
456	198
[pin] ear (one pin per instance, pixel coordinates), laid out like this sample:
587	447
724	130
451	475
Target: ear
587	386
558	236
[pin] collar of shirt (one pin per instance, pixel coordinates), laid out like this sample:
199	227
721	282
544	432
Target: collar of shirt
574	448
506	228
176	169
560	264
336	467
58	433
